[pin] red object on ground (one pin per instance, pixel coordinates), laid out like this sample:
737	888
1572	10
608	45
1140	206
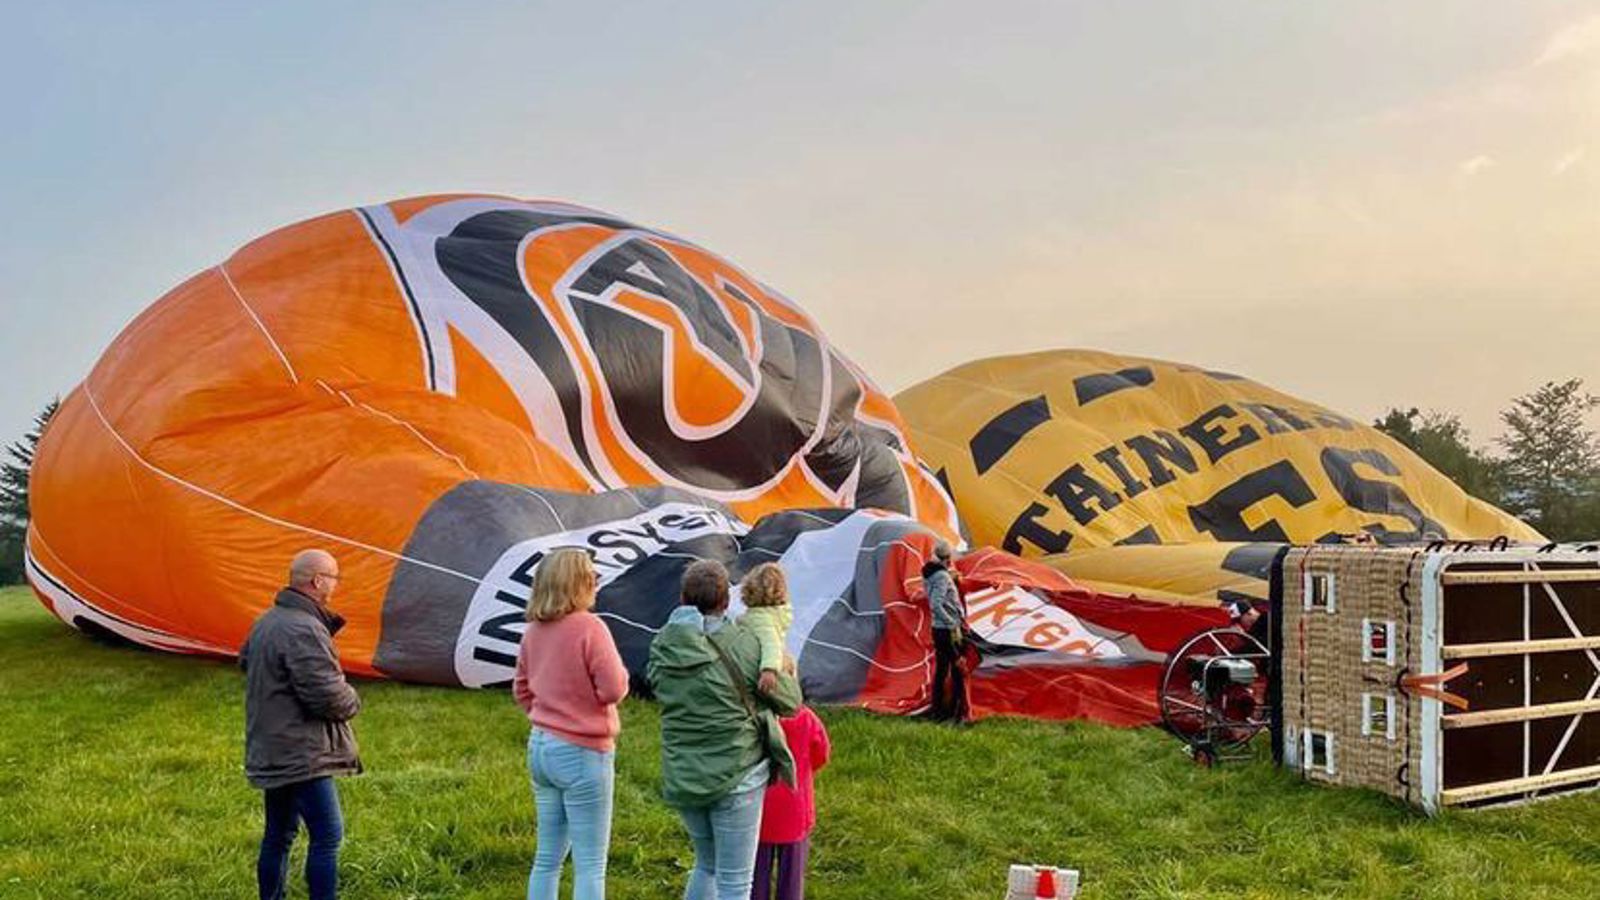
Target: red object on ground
1051	648
1047	884
1115	682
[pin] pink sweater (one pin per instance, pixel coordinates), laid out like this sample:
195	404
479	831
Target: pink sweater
789	813
570	678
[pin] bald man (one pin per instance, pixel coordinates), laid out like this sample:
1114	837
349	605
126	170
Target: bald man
297	735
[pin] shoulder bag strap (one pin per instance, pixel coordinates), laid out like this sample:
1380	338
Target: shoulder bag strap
737	678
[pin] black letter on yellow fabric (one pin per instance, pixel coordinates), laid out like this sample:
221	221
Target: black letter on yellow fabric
1074	488
1111	458
1384	498
1212	435
1222	516
1027	527
1158	448
1277	419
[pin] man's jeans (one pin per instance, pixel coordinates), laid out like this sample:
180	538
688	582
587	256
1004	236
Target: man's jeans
315	802
725	836
572	792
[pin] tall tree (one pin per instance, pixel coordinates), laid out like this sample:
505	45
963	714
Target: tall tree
14	495
1552	461
1444	443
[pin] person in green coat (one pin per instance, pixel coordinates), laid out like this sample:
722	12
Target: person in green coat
720	738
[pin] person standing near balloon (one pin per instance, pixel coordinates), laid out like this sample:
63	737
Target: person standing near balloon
720	739
298	708
788	814
569	680
769	615
949	636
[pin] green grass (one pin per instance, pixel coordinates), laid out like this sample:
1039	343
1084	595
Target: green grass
120	777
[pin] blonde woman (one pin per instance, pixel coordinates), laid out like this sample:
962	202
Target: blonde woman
569	680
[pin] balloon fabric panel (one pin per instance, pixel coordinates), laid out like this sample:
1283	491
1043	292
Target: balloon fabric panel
332	382
1135	474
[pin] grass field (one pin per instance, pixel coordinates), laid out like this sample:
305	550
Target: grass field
120	777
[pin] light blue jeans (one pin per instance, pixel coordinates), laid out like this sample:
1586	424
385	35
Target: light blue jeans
725	837
572	791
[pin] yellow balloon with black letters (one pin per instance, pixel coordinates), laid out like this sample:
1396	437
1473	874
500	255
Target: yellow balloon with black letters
1170	480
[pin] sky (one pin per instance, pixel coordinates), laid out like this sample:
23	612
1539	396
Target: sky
1365	204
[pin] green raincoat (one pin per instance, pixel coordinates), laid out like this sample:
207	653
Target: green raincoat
708	739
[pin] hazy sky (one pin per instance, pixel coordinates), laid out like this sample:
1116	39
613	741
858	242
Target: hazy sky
1361	203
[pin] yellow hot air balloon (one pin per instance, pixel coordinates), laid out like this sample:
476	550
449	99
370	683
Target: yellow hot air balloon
1169	480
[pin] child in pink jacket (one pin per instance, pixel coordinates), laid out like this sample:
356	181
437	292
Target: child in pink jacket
789	813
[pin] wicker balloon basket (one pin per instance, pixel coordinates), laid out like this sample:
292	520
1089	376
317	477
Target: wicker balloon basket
1448	675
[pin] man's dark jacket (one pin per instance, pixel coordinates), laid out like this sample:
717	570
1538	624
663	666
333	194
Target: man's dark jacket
297	705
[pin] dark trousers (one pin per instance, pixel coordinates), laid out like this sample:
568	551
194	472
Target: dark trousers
788	862
949	680
316	803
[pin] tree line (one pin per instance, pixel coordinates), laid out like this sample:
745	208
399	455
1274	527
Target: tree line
14	495
1544	467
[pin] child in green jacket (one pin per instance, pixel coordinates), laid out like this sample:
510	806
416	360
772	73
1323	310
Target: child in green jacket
767	613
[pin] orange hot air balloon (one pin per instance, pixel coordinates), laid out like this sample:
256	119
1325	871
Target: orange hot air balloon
329	382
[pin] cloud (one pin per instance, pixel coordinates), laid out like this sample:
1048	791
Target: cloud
1568	160
1578	39
1476	164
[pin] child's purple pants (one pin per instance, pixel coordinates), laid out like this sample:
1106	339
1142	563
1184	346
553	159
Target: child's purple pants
790	862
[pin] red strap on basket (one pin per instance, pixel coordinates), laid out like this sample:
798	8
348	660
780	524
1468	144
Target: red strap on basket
1433	686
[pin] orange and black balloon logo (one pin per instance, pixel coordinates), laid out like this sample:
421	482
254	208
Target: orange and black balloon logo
661	362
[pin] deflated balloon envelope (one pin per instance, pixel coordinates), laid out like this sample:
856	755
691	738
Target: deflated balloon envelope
354	381
861	633
441	390
1169	480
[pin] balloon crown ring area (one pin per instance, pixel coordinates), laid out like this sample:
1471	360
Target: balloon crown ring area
1033	882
